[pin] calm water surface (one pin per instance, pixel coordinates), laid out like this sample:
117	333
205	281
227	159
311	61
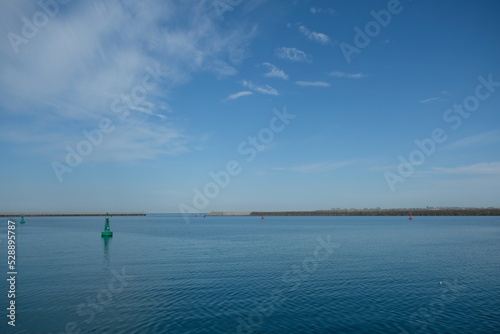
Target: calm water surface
158	274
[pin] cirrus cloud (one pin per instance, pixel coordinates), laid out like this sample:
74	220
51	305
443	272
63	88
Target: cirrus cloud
339	74
312	83
238	95
275	72
292	54
314	36
266	89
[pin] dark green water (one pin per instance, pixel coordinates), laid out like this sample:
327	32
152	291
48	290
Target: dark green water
246	275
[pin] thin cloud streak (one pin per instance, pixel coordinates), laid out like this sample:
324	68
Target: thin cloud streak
339	74
487	138
317	167
312	83
266	89
431	99
480	168
238	95
435	98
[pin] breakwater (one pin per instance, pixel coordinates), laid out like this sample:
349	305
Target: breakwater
68	214
386	212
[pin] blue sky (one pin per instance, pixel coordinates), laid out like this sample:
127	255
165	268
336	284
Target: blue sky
335	95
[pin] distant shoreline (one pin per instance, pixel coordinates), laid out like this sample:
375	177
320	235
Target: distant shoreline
381	212
68	214
350	212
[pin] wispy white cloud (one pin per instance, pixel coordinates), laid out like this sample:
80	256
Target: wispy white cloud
476	140
435	98
266	89
69	74
431	99
292	54
315	10
339	74
238	95
480	168
132	139
146	140
314	36
147	108
317	167
275	72
221	68
312	83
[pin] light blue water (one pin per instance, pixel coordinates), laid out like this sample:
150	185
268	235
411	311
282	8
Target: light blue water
247	275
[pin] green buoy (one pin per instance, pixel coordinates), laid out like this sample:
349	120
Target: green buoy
22	220
107	232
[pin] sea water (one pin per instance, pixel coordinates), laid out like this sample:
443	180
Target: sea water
163	274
